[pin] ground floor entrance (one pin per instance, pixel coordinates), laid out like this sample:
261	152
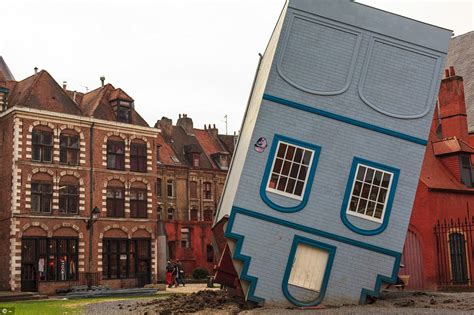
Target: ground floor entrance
47	259
127	259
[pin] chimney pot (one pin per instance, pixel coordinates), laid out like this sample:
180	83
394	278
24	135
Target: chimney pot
214	126
36	70
102	80
179	115
446	73
205	128
64	85
452	73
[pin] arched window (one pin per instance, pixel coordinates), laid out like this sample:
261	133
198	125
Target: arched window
138	156
457	250
69	147
115	199
41	193
68	195
170	215
115	154
138	200
193	214
42	144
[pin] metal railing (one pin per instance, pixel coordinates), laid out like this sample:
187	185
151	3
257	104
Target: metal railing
454	249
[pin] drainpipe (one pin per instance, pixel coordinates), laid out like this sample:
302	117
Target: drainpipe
91	192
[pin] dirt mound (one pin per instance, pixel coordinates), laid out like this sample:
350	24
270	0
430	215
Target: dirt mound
195	302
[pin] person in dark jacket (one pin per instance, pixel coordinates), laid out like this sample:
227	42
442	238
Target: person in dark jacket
169	273
180	273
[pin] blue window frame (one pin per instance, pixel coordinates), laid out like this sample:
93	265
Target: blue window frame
289	172
330	251
369	195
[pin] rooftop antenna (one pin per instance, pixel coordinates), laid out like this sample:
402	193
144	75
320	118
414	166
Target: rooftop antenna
87	88
225	120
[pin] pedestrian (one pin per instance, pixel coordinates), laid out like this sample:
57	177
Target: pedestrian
169	273
180	273
175	273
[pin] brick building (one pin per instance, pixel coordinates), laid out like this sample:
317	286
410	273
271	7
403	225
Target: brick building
89	182
438	250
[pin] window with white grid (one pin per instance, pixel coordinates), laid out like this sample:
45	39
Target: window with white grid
290	170
369	194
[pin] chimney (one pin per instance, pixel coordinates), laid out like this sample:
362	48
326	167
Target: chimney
64	85
452	107
186	123
36	70
102	80
166	126
213	130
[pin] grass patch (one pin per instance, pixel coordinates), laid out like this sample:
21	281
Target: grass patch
66	307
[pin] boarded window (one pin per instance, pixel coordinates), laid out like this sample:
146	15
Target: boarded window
309	267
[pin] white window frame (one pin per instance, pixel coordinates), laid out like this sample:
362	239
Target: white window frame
389	189
283	193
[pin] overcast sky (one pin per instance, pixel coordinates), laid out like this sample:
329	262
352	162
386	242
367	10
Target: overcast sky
183	56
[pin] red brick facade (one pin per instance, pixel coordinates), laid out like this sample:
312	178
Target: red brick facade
444	196
45	248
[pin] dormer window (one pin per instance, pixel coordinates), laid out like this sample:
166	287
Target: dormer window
195	158
122	110
466	170
222	159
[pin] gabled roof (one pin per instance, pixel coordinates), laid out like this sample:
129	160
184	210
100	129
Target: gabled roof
228	141
96	103
450	146
436	176
5	73
181	140
167	154
461	56
210	144
41	91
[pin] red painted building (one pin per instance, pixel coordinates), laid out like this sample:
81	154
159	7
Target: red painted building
439	249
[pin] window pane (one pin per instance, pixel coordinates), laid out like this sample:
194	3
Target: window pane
307	157
298	155
273	181
370	208
378	178
294	170
382	195
386	180
282	183
369	176
378	211
361	173
277	166
36	153
291	186
374	193
303	171
353	204
47	138
299	188
365	191
47	157
281	150
357	188
290	152
362	205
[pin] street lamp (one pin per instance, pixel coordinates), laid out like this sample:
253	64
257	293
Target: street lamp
94	216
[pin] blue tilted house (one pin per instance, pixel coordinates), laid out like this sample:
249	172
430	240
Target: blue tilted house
324	176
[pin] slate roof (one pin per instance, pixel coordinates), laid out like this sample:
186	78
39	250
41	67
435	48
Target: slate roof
166	152
41	91
461	56
5	73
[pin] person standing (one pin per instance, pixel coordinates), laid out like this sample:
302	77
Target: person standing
169	274
180	279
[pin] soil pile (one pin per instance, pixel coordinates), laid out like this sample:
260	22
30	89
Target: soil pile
195	302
